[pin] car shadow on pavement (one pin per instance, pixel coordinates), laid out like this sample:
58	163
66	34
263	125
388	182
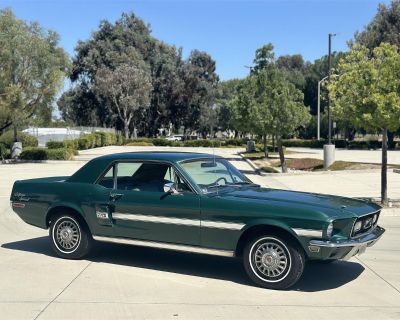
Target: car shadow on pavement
316	277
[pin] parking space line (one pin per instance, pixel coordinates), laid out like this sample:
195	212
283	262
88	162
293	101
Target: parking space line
62	291
377	274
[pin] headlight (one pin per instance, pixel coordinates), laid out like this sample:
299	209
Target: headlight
329	230
375	218
357	226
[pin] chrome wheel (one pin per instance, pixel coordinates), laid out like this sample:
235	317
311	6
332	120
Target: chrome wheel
270	259
66	234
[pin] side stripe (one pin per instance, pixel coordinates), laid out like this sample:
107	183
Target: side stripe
177	221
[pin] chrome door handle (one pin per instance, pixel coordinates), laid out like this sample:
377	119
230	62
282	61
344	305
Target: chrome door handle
115	196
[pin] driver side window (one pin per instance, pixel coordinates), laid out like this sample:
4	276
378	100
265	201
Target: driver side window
142	177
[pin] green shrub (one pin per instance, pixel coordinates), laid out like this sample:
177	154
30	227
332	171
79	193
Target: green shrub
4	151
119	140
7	139
85	142
162	142
364	145
33	153
300	143
235	142
202	143
60	154
54	144
140	143
36	153
71	144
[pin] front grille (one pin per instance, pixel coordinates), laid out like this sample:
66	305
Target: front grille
365	224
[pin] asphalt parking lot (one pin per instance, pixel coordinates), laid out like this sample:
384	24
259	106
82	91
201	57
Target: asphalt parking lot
122	282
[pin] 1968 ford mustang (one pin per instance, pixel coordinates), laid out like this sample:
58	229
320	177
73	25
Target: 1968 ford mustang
197	203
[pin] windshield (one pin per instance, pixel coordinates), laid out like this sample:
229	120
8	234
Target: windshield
209	174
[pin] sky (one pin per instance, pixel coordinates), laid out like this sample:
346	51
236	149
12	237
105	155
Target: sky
229	30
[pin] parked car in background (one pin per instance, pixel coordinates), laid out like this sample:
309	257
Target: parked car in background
175	138
197	203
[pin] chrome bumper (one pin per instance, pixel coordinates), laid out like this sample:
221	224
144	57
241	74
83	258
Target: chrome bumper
357	246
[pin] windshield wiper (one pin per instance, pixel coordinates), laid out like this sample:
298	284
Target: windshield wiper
244	183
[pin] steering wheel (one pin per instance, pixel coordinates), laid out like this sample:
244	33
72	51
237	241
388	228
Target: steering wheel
220	179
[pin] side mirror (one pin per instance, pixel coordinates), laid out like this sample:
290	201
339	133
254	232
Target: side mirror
170	188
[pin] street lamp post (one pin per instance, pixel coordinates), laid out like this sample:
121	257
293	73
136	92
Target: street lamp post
329	149
319	108
329	79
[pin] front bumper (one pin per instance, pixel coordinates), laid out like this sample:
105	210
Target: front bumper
345	249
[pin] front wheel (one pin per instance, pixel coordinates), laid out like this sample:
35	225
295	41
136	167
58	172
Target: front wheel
70	238
273	262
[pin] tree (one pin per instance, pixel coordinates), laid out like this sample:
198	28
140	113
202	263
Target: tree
127	89
384	27
367	93
32	70
268	104
197	99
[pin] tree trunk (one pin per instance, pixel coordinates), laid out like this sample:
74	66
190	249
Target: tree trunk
281	155
15	134
384	199
273	143
126	129
390	137
265	146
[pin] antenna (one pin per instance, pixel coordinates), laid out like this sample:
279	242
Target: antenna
215	162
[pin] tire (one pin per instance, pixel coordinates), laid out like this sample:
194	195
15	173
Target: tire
273	262
70	238
327	261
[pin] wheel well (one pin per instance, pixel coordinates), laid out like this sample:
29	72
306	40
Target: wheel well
262	229
64	209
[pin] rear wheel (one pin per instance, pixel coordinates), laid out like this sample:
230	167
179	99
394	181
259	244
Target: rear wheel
70	238
273	262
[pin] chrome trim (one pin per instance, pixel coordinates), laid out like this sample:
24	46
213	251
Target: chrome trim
368	239
168	246
160	219
178	221
222	225
308	232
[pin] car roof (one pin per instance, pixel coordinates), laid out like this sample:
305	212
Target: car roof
94	168
171	156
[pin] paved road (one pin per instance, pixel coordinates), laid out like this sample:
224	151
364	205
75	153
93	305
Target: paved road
135	283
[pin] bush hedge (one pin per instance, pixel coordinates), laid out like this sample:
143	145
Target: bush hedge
354	145
55	144
7	139
36	153
4	151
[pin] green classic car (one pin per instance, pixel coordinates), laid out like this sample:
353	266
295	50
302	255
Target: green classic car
197	203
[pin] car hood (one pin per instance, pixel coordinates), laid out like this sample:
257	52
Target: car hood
334	204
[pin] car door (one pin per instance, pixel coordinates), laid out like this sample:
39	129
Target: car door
140	209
